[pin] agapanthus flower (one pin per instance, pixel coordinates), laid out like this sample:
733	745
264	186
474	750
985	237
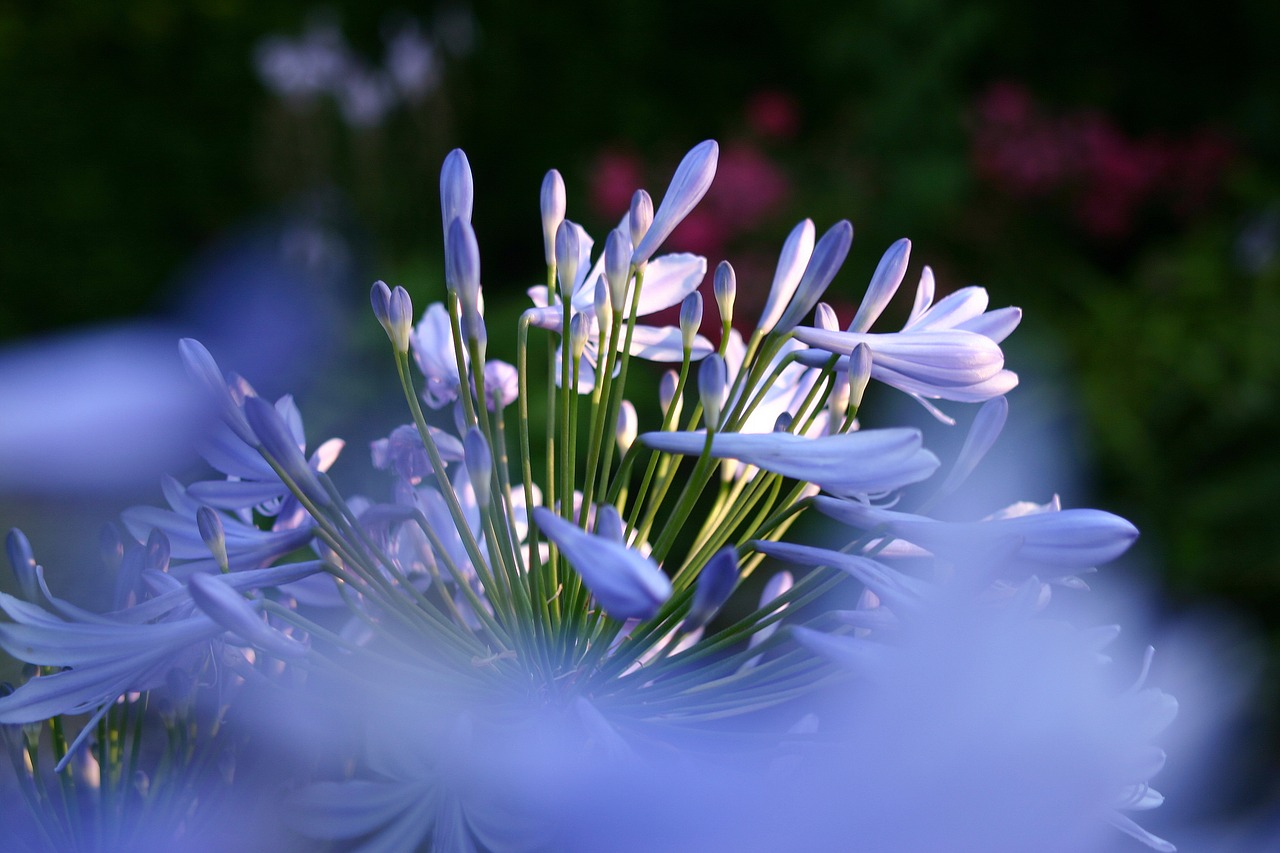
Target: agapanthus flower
521	634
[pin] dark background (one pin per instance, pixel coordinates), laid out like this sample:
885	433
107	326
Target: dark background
1114	172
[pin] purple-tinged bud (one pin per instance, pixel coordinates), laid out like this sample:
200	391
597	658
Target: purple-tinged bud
566	259
667	394
824	317
824	263
462	264
689	184
277	443
609	524
617	265
479	462
640	217
457	190
725	288
884	284
232	611
715	584
628	426
394	310
859	371
204	370
380	299
604	307
712	379
791	264
579	331
690	319
156	554
627	584
214	535
552	201
24	565
783	422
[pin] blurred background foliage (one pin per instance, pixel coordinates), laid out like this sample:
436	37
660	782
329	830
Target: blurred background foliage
1114	171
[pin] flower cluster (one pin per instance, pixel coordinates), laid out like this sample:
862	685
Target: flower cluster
552	635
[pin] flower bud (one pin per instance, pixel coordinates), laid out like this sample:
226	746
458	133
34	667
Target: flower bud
479	462
725	288
400	319
462	264
715	584
553	206
640	217
604	307
278	444
859	371
690	319
711	387
566	259
209	523
609	524
628	426
23	561
232	611
783	422
617	266
667	394
457	191
579	330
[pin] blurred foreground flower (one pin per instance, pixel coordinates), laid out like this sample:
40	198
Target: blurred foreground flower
538	639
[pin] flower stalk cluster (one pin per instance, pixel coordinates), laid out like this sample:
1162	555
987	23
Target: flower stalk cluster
583	571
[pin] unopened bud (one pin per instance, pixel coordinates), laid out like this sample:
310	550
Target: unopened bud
462	264
712	380
628	426
566	258
617	266
457	190
479	462
579	327
609	524
279	445
725	288
23	561
715	584
690	319
859	371
641	216
553	207
211	530
604	306
667	394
